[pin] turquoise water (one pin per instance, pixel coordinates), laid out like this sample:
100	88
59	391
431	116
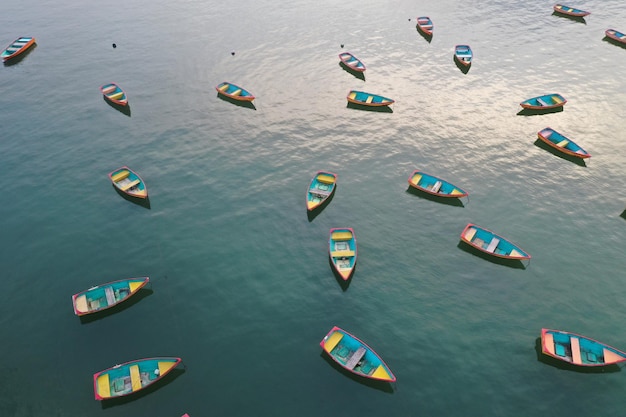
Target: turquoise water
242	289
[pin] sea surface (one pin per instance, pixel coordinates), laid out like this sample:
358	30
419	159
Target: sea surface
241	285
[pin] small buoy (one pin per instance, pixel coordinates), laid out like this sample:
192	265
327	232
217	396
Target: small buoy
114	46
342	45
232	53
409	19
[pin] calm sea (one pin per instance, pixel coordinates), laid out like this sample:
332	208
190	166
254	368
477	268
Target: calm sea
242	288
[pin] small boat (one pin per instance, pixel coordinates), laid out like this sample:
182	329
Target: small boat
19	46
425	25
615	35
578	350
354	355
351	62
321	188
114	94
570	11
342	251
127	181
548	101
367	99
463	54
488	242
131	377
435	186
561	143
102	297
233	91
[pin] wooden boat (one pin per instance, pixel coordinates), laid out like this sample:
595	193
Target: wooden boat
131	377
342	251
425	25
321	188
233	91
488	242
114	94
367	99
569	11
435	186
352	62
19	46
561	143
463	54
578	350
127	181
102	297
548	101
616	36
354	355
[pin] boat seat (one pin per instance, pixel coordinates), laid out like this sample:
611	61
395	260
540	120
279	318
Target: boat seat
576	358
352	95
369	99
120	176
116	96
562	143
332	341
130	185
381	373
515	253
341	235
456	192
321	193
108	291
236	92
223	88
436	187
342	253
416	179
493	244
469	235
109	89
557	100
541	102
356	357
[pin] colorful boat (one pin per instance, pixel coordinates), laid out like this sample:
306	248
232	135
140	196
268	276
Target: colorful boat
463	54
488	242
367	99
131	377
342	251
578	350
616	36
548	101
562	143
233	91
19	46
127	181
114	94
435	186
321	188
351	62
354	355
102	297
425	25
570	11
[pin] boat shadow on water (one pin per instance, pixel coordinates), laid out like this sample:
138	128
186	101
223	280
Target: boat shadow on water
511	263
566	366
122	109
443	200
167	379
379	109
312	214
20	57
614	42
383	386
623	215
143	202
570	17
131	301
428	38
358	74
464	68
533	112
344	284
578	161
245	104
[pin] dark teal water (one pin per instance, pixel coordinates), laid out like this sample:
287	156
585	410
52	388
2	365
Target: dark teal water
242	288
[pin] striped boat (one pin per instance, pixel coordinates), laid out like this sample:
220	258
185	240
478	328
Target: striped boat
114	94
425	25
434	185
102	297
130	183
342	251
616	36
321	188
130	377
19	46
569	11
234	91
548	101
562	143
463	55
367	99
488	242
354	355
351	62
578	350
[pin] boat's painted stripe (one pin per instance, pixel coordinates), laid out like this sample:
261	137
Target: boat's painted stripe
104	387
332	341
129	185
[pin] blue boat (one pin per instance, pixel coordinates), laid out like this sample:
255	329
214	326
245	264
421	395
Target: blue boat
562	143
234	92
18	47
102	297
547	101
463	54
434	185
355	356
616	36
129	182
569	11
425	25
368	99
579	350
321	188
488	242
342	251
352	62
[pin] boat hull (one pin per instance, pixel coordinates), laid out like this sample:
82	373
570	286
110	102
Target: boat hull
234	92
355	356
367	99
342	250
561	143
129	182
579	350
105	296
17	47
321	188
488	242
434	185
548	101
